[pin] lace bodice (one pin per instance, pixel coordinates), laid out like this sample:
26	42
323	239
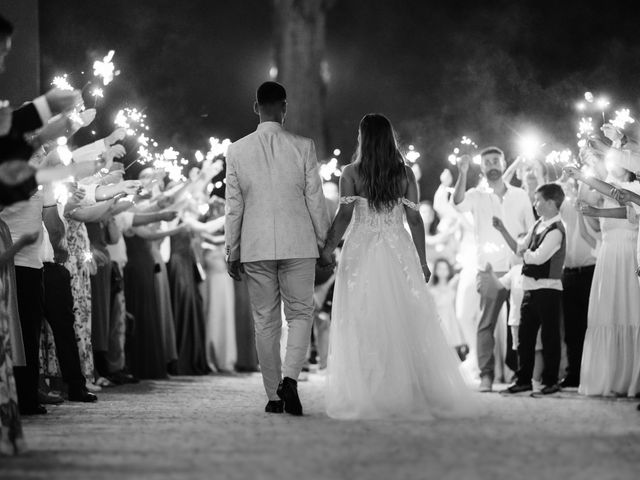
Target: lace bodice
366	217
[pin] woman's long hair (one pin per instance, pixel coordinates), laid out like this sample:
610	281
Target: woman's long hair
379	162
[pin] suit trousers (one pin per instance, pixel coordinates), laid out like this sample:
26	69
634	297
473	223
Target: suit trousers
576	287
30	293
58	310
541	309
492	298
271	283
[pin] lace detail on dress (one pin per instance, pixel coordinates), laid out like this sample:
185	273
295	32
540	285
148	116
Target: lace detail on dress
347	200
411	205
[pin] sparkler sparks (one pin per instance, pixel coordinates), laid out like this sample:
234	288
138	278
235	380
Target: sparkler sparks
61	82
529	146
330	169
63	151
623	117
105	68
412	155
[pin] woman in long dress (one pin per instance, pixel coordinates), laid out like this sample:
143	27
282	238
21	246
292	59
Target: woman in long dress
11	348
388	356
611	354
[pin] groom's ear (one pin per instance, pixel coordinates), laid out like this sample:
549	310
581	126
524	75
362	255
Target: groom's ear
255	108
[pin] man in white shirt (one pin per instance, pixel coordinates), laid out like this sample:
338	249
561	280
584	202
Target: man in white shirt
513	207
543	253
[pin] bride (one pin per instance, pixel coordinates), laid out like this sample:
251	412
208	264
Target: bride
388	356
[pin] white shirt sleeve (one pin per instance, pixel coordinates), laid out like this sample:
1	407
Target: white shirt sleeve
466	205
43	109
507	279
550	245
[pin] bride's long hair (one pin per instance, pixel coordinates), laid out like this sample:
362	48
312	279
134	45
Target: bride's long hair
379	162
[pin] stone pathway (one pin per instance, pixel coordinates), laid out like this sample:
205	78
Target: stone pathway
214	428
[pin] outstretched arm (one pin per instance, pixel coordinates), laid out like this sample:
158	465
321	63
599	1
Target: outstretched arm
618	212
511	242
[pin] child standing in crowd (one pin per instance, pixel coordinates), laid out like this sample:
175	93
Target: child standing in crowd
543	252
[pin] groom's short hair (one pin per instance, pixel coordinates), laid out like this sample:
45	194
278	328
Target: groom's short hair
270	93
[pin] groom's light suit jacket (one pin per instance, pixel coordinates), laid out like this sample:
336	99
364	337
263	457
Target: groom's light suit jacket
275	208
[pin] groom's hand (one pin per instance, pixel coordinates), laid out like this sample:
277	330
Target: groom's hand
235	268
327	260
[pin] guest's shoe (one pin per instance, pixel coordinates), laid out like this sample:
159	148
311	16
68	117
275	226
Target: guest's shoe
550	389
49	398
122	378
486	384
569	382
37	410
516	389
82	395
274	406
288	393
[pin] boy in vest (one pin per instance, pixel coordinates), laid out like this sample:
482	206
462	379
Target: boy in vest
542	252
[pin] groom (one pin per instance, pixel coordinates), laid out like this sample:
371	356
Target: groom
276	220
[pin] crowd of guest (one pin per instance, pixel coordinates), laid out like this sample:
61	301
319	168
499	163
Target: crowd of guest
536	273
104	279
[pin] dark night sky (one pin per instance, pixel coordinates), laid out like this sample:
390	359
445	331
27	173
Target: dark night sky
438	70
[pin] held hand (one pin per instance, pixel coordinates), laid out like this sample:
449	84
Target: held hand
116	136
463	164
63	100
572	172
326	259
130	187
100	258
611	132
78	193
113	152
235	268
167	216
165	201
585	209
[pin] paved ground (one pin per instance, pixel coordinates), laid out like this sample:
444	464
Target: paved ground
213	427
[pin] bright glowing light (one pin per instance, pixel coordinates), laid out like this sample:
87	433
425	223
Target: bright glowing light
336	152
329	169
412	155
218	184
61	193
105	68
588	96
273	72
61	82
581	106
452	159
623	117
63	151
143	140
203	208
217	147
529	146
199	156
87	257
602	103
97	93
477	160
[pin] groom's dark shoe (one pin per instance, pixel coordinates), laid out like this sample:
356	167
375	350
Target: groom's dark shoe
274	406
288	392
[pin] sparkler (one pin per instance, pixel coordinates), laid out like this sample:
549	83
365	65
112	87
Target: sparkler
412	155
61	82
585	129
623	117
63	151
105	68
468	145
330	169
602	104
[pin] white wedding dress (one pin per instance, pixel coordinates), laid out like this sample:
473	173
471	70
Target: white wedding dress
388	356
